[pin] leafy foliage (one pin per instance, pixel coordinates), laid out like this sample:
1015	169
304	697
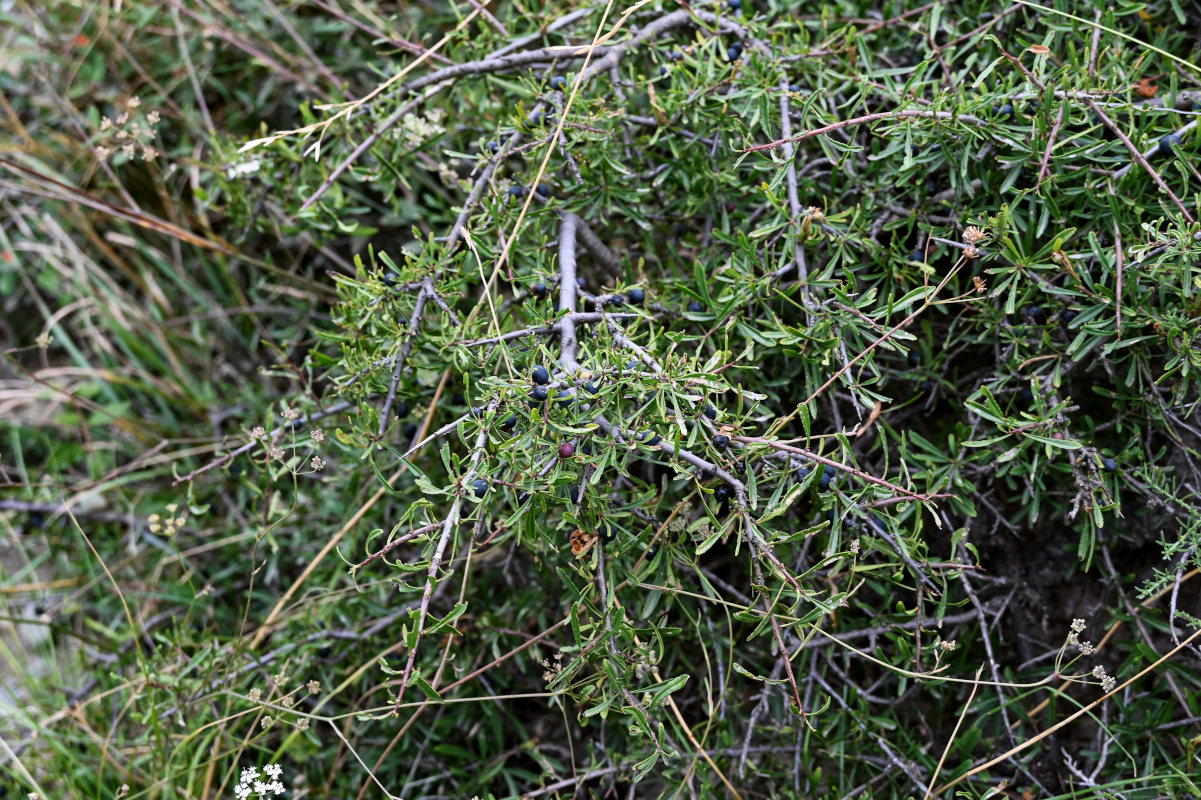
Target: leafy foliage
506	416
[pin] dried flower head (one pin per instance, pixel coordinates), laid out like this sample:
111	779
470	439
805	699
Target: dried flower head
973	235
318	435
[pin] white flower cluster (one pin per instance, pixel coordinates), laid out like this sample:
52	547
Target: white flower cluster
1074	638
130	133
414	130
250	784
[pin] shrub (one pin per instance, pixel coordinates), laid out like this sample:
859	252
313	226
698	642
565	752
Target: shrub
698	410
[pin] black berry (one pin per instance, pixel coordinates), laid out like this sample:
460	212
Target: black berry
391	279
722	493
917	255
480	487
542	190
591	388
493	147
510	423
563	396
721	441
1025	396
410	430
926	386
1109	464
477	412
540	375
539	394
1035	313
1168	143
740	467
401	409
1066	316
695	307
606	532
537	118
539	290
617	300
710	411
637	296
733	54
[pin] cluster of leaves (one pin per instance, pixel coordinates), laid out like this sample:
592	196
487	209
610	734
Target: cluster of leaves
695	411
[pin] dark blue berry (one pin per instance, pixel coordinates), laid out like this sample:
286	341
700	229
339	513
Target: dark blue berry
1066	316
710	411
558	82
1035	313
918	255
795	88
539	290
580	282
522	497
537	118
828	469
480	487
1025	396
510	423
1168	143
1003	111
675	55
662	70
695	307
410	430
401	409
721	441
733	54
637	296
926	386
606	532
477	412
652	551
517	190
652	439
391	279
722	493
37	519
494	147
740	467
1109	464
734	5
634	366
591	388
586	448
801	474
564	397
914	358
456	399
824	482
539	394
542	190
617	300
540	375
